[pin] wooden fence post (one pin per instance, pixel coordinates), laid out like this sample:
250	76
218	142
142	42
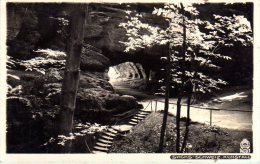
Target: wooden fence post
210	117
155	105
151	105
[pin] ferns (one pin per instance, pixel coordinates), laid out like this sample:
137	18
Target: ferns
45	60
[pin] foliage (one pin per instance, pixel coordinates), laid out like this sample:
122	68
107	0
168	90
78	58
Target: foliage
12	91
80	130
230	30
203	40
46	59
47	62
193	45
31	95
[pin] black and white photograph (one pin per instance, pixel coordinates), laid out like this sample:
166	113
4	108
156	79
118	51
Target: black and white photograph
101	78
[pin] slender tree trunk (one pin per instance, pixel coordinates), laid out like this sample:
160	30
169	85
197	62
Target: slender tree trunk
166	104
188	109
191	89
181	90
72	72
178	114
186	135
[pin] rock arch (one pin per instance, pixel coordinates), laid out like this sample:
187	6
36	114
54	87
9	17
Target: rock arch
128	70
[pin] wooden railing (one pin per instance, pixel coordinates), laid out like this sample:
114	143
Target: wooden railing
194	106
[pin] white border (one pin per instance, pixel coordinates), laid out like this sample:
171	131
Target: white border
123	157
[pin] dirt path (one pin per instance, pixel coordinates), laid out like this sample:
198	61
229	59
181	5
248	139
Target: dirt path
226	117
123	87
232	100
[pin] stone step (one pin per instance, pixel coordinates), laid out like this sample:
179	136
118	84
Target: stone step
135	120
132	123
141	115
139	118
104	141
109	134
112	130
101	148
99	152
144	111
102	144
106	137
122	128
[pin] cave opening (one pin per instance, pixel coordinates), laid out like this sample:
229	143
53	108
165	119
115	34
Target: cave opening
129	75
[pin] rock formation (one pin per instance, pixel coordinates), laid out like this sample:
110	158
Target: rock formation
40	26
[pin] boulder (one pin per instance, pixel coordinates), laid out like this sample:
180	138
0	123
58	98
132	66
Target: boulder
96	100
92	80
99	105
92	60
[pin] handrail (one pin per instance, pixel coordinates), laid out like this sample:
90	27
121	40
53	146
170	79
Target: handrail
130	115
207	108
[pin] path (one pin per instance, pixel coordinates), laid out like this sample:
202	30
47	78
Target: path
226	119
122	87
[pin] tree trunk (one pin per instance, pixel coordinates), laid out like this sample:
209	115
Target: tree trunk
72	72
181	90
178	114
166	104
188	109
186	135
191	89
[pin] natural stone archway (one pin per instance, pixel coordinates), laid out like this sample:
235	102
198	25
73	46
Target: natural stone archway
35	28
128	74
102	32
127	70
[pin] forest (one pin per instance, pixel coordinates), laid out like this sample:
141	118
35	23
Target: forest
129	78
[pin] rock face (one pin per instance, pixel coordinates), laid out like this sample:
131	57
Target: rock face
96	99
23	32
95	94
39	26
92	60
99	105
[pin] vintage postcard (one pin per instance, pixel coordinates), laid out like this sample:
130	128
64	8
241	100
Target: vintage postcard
129	81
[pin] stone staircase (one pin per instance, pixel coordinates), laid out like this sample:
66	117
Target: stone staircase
105	140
